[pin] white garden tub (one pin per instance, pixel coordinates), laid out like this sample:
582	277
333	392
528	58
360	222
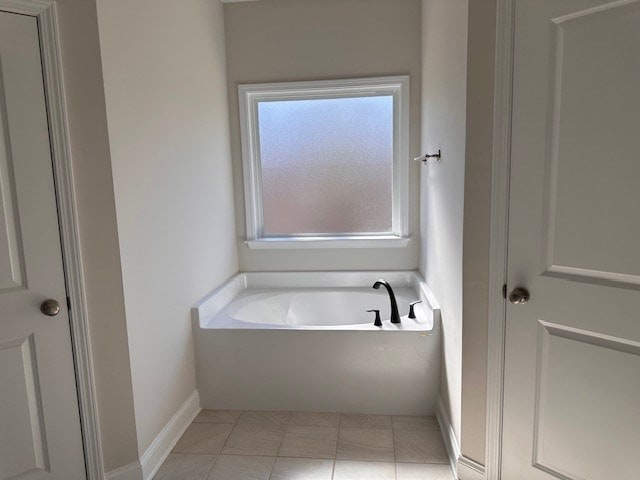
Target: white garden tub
304	341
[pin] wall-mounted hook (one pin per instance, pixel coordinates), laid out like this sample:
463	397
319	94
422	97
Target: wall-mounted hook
425	158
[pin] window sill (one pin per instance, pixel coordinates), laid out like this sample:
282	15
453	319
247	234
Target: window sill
327	243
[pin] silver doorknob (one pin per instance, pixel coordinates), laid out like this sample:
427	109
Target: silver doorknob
519	295
50	307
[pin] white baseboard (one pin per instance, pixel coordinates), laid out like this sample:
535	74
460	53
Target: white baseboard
469	469
463	467
159	450
132	471
449	436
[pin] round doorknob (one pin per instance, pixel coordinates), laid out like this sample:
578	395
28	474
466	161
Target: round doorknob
50	307
519	295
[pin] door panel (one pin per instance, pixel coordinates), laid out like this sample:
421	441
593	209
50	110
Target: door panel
22	441
11	252
572	357
581	377
39	420
593	143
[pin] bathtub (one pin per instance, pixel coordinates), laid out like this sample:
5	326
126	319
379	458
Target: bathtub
303	341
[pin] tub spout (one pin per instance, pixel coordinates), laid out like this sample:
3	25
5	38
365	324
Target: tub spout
395	316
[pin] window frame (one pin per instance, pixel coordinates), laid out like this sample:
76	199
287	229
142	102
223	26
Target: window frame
250	95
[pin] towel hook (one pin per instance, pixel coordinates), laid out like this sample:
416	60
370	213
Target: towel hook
425	158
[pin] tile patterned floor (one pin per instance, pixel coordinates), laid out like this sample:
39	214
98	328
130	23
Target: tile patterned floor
235	445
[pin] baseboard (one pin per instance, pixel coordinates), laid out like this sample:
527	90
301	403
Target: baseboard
449	436
162	445
463	467
469	469
132	471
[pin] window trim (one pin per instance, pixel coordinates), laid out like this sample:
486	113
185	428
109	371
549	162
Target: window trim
250	94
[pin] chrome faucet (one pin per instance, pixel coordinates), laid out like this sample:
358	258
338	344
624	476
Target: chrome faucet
395	316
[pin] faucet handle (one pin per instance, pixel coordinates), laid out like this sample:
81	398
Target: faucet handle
412	314
377	322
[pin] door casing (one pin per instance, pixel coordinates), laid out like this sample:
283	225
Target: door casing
500	173
44	11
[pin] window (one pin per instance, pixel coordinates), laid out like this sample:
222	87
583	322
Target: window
326	163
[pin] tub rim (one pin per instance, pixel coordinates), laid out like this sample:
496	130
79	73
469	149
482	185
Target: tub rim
204	311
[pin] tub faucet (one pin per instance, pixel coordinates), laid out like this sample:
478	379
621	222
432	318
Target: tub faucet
395	316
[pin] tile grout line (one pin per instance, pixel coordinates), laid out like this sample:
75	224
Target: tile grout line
272	465
215	460
284	432
335	451
223	445
393	442
216	456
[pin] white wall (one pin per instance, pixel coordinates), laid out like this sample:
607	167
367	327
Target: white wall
167	111
444	63
477	220
91	162
289	40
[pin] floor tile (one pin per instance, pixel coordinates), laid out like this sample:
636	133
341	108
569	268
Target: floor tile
264	418
365	444
217	416
421	471
301	469
314	419
415	422
254	440
350	470
349	420
203	438
310	442
185	466
241	467
424	446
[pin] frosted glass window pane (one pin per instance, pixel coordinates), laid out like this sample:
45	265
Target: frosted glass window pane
327	165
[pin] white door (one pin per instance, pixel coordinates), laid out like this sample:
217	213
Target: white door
572	364
39	421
